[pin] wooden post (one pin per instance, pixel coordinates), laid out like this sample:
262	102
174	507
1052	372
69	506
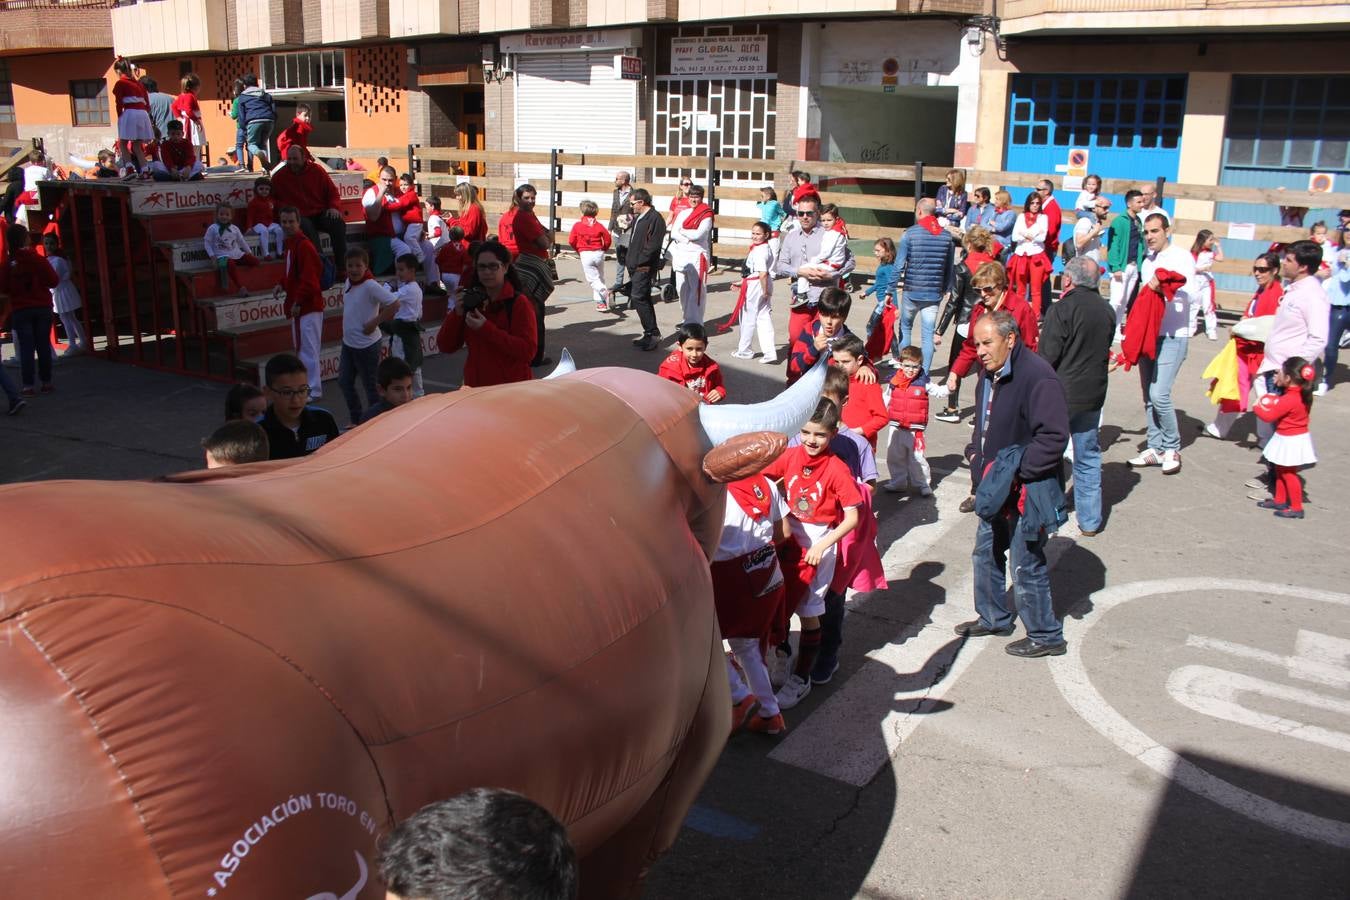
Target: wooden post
712	203
553	174
412	167
918	186
1162	184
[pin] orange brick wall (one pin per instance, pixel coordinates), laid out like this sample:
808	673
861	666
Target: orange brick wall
42	105
377	101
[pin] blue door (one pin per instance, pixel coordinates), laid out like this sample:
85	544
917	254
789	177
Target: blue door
1280	130
1129	124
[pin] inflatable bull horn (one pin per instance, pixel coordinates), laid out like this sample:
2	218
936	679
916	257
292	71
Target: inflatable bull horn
785	414
229	684
566	366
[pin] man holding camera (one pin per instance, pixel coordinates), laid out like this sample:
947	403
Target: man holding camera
645	239
620	218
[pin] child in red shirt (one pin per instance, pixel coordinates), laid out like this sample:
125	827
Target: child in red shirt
297	132
303	297
908	409
453	259
177	161
691	365
823	501
188	112
26	281
865	411
261	219
1290	448
134	128
591	239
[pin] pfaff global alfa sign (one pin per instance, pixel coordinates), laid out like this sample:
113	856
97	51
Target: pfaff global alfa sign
720	55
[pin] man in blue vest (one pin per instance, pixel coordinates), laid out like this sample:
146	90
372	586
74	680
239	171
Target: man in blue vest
924	259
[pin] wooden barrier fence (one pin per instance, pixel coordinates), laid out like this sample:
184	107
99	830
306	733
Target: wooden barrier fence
495	190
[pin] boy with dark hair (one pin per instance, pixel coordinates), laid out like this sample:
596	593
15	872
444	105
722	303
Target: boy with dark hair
303	295
823	501
908	413
452	259
866	410
407	324
234	443
690	365
297	133
807	345
175	159
294	428
365	304
394	381
485	843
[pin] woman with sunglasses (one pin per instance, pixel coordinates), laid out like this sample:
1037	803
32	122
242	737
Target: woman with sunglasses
1250	353
494	318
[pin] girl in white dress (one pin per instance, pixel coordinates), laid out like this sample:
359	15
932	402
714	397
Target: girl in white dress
1206	252
66	299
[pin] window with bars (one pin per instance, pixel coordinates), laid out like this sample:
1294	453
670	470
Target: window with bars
308	70
89	102
1128	112
1281	121
6	94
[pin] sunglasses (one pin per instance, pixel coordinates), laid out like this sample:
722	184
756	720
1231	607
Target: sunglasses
488	267
1256	269
806	213
686	184
988	289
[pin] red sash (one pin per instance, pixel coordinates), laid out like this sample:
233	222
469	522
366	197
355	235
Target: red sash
740	300
697	215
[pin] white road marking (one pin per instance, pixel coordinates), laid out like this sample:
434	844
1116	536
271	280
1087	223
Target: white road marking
860	727
1319	658
1072	679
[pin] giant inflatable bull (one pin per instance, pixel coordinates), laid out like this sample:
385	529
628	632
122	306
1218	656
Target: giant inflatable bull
229	685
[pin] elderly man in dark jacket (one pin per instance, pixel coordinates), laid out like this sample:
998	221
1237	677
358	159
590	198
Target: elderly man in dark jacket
1076	338
924	259
1019	403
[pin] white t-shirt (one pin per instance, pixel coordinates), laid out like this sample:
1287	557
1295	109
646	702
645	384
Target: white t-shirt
1143	216
759	260
1086	200
409	301
1030	239
1093	248
1176	321
437	232
359	306
742	534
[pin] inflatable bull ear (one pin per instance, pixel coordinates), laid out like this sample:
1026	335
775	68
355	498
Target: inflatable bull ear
566	366
784	414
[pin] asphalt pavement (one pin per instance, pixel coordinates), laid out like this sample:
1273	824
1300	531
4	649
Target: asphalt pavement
1195	742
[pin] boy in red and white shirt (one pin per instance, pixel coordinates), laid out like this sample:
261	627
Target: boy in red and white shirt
691	365
261	219
453	259
303	297
591	239
908	409
176	160
865	411
297	132
823	501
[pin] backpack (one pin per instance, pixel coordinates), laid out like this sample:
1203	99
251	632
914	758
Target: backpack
1068	249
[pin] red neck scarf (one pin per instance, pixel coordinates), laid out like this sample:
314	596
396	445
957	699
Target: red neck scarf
930	224
696	216
740	300
367	277
753	496
1031	218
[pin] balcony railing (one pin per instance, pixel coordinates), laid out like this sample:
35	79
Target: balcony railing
55	24
1016	9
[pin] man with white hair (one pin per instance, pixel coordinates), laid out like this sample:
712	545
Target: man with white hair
620	218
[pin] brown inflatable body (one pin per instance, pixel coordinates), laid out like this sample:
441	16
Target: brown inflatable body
231	684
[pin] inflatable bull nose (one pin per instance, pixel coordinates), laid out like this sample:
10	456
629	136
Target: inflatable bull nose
229	685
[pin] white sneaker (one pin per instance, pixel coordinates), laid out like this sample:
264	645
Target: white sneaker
769	360
1149	457
1321	390
743	354
794	692
1171	462
779	666
1213	431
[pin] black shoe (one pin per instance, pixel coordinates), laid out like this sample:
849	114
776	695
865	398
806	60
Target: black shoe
637	341
948	415
1029	649
975	628
822	672
968	504
650	342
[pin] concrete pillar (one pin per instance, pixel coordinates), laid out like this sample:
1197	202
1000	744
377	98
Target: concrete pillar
967	77
808	99
1202	131
991	127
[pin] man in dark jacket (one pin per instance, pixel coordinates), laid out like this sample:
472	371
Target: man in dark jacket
1076	338
1019	401
643	262
924	258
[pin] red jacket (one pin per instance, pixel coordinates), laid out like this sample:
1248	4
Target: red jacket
301	281
500	351
1264	303
185	109
1027	328
704	379
1286	410
1054	217
28	279
176	154
473	223
130	87
311	191
1145	317
909	401
865	411
296	133
407	205
453	258
589	234
260	212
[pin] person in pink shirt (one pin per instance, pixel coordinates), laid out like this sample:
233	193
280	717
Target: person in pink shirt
1301	322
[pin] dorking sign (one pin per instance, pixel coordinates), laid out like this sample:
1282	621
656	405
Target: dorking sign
162	198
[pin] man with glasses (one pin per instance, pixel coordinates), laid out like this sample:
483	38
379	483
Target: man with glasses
1054	218
801	245
1125	254
293	427
645	252
1088	231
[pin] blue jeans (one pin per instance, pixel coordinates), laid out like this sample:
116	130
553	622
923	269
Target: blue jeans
257	134
927	311
32	327
1087	468
1156	379
7	385
994	542
355	362
1340	323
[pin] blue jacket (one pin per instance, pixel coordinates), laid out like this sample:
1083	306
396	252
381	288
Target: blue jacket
926	261
1029	409
771	213
256	105
1044	505
886	277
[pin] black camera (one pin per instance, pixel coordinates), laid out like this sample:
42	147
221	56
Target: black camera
471	298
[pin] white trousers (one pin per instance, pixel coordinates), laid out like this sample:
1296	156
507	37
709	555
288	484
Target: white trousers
1121	285
75	336
396	349
693	293
593	270
756	319
752	662
307	334
412	236
268	233
906	464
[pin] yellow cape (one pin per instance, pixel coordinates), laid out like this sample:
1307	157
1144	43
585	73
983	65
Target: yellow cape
1222	373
